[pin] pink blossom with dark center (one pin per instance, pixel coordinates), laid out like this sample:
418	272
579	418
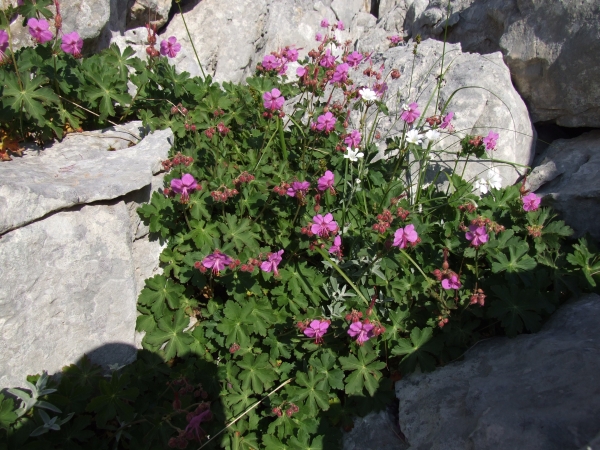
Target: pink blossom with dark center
446	121
324	225
216	261
531	202
318	37
301	71
340	25
326	122
291	54
326	181
403	236
39	30
341	73
477	235
72	43
273	100
353	139
170	47
324	23
490	140
361	331
354	59
451	283
184	186
272	262
317	329
298	187
411	113
271	62
336	248
3	41
328	60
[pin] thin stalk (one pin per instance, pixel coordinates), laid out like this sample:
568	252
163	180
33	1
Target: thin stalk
344	194
414	263
190	37
344	276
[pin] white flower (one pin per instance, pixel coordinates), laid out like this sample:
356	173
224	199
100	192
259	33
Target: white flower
367	94
413	137
353	155
432	135
492	180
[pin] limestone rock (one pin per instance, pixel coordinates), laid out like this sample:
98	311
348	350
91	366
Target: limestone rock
79	170
72	289
568	176
535	392
148	11
375	431
551	48
490	103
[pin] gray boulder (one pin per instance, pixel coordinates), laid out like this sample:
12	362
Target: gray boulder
551	47
567	176
488	103
148	11
537	391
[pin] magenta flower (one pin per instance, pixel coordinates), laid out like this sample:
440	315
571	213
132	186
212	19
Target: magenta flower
184	186
170	47
336	248
326	122
301	71
318	37
395	39
291	54
326	181
340	25
270	62
490	140
300	187
324	225
39	30
477	235
72	43
3	41
273	100
451	283
193	430
317	330
328	60
380	89
324	23
446	121
403	236
272	262
341	73
361	331
531	202
353	139
216	261
411	113
354	59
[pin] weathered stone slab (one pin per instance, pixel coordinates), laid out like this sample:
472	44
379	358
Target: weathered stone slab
534	392
69	288
83	168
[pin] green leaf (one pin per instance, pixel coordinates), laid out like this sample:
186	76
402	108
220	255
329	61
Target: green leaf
519	261
419	349
366	372
516	308
257	372
7	412
234	325
332	376
115	399
588	262
316	399
239	233
31	97
170	330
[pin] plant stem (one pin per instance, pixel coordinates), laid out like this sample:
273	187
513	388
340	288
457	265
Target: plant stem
344	276
190	37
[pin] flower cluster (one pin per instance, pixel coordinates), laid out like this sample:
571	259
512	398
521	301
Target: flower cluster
278	61
177	160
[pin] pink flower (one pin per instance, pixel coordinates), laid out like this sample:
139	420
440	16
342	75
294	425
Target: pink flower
170	47
273	100
3	41
531	202
380	89
270	62
39	30
446	121
318	37
340	25
354	59
216	261
361	331
341	73
184	186
298	187
301	71
477	235
272	262
490	140
411	113
72	43
336	248
324	23
326	181
317	330
324	225
328	60
353	139
403	236
326	122
452	283
395	39
291	54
